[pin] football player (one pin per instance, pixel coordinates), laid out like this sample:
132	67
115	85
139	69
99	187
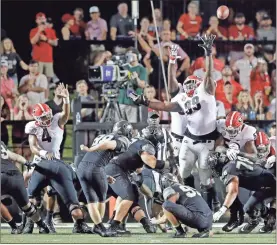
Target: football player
242	172
140	152
184	205
237	136
12	183
199	105
91	170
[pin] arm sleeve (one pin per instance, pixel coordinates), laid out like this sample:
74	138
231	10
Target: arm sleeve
148	148
32	33
105	26
122	145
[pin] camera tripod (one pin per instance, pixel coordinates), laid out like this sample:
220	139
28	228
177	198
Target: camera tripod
112	112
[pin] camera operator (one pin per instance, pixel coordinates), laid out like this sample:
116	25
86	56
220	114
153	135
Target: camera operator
137	83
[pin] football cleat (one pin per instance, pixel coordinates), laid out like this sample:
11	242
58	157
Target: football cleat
180	234
82	228
202	234
149	228
51	226
252	224
43	229
29	227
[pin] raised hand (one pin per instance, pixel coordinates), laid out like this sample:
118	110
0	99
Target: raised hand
138	99
63	90
173	54
207	43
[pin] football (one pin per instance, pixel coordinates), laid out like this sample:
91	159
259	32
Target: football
222	12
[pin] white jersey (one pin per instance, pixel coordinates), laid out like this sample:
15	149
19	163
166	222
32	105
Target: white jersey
200	111
49	138
272	140
178	121
248	133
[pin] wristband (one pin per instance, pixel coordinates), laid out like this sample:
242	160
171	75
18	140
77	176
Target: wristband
43	153
172	60
66	100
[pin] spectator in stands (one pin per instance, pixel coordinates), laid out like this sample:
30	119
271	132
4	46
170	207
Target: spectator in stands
216	75
102	57
79	26
260	81
259	106
34	85
121	24
68	21
200	62
240	31
22	111
229	100
259	14
9	54
167	27
139	80
159	22
43	40
215	29
144	29
189	25
244	66
56	105
245	104
8	88
272	130
269	56
87	114
5	115
266	31
227	77
97	27
150	93
273	83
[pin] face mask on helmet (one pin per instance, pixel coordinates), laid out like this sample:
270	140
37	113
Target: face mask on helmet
189	87
155	122
263	150
122	128
168	180
45	119
232	131
216	162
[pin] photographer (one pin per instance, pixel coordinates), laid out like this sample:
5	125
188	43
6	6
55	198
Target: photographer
138	81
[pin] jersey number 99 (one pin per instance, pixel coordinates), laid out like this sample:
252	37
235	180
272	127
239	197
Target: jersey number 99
192	105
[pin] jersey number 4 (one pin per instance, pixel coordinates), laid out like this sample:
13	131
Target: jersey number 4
46	136
192	105
190	192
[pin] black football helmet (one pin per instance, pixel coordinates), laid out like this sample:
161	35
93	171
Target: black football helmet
168	180
217	161
153	134
123	128
153	119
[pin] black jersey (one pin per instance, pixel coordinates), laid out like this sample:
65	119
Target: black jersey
6	164
191	199
130	160
102	158
251	176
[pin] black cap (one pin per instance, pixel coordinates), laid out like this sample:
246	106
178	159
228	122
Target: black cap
239	15
266	17
153	114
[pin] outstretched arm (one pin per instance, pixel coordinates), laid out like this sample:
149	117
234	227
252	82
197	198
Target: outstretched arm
63	92
105	145
173	87
209	84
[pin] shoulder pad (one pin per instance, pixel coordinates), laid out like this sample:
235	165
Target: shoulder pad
250	133
30	128
149	148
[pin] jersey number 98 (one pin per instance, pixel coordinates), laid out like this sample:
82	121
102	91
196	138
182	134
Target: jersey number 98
190	192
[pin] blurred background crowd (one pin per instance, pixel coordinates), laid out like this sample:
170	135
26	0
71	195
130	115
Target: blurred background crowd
52	43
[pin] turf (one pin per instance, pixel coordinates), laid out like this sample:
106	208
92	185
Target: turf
64	235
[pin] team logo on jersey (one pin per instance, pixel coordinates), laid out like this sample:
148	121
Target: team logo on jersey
33	131
255	136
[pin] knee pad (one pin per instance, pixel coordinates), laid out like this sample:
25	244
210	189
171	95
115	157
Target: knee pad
134	208
31	211
73	207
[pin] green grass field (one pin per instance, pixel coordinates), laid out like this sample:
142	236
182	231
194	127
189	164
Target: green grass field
64	235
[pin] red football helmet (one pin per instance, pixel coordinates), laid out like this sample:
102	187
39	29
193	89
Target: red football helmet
233	123
262	144
190	84
43	115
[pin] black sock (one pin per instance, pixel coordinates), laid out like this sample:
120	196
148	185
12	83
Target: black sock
189	181
113	215
79	221
179	228
40	223
49	215
144	221
100	226
115	223
12	224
